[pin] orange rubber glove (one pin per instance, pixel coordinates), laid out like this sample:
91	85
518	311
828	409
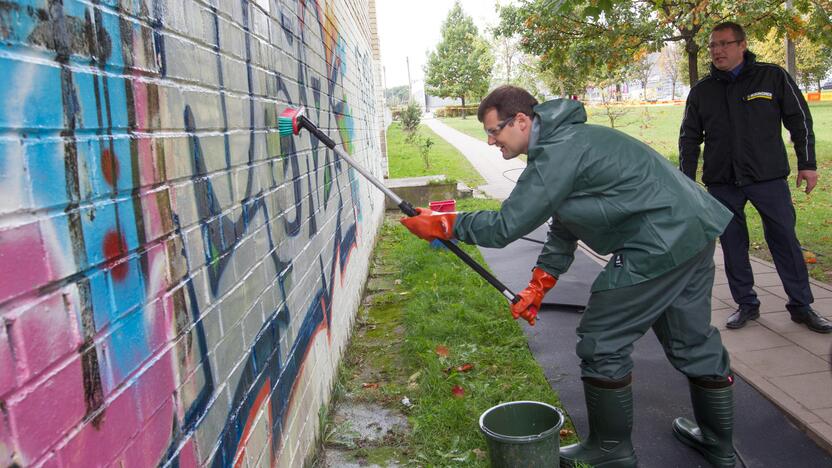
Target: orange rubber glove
430	225
532	296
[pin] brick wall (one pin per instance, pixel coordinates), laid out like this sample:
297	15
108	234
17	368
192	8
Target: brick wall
177	281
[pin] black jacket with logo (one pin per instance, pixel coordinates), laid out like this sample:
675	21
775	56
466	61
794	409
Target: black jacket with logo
739	120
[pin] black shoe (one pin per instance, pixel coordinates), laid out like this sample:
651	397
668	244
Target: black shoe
744	313
806	315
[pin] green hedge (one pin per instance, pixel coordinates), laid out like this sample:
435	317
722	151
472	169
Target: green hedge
455	111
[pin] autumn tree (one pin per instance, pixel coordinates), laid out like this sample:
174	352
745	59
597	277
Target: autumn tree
642	69
670	60
514	67
613	32
570	46
460	67
508	57
813	60
559	74
531	79
397	96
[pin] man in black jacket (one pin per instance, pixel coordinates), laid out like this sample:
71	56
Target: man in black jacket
737	111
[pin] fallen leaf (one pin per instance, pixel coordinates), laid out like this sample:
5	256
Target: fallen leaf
458	391
480	454
463	368
369	385
565	433
442	350
414	377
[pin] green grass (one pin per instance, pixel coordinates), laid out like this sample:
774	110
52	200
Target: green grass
469	126
424	298
405	160
451	305
658	126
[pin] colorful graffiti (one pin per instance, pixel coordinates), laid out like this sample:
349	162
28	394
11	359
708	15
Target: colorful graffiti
170	267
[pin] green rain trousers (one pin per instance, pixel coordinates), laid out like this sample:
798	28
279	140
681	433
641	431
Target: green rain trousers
677	305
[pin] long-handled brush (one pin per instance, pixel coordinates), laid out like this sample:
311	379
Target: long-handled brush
292	120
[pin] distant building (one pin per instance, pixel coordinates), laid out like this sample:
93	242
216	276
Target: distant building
659	87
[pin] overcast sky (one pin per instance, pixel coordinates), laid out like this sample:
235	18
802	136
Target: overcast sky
411	29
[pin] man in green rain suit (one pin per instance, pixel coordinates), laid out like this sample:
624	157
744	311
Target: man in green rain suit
622	198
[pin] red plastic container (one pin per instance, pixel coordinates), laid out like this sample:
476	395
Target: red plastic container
441	206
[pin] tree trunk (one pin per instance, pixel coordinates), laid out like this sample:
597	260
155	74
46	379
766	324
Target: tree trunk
463	106
673	90
693	68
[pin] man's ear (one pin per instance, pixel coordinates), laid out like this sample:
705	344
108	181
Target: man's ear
523	120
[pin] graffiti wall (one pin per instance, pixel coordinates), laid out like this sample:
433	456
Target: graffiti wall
177	280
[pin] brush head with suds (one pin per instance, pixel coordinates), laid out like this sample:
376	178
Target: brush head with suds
287	122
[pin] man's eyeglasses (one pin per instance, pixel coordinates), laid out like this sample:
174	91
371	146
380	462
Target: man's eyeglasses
722	44
493	132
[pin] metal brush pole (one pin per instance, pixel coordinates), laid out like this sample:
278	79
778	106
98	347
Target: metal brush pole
405	206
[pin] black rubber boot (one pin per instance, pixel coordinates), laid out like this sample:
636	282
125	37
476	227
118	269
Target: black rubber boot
712	434
608	445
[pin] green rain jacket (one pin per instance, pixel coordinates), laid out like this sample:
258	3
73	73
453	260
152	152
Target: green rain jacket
602	187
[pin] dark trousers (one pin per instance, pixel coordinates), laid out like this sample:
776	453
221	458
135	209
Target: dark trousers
773	201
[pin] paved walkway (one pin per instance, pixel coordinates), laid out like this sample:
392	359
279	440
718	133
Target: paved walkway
499	174
784	361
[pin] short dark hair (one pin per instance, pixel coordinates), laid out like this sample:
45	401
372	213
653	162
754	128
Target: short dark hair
739	33
507	100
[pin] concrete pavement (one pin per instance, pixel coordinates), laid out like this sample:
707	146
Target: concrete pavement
784	361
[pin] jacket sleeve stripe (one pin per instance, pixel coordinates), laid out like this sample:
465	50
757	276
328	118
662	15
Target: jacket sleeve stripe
802	112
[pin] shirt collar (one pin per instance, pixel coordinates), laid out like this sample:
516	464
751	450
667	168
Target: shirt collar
736	71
